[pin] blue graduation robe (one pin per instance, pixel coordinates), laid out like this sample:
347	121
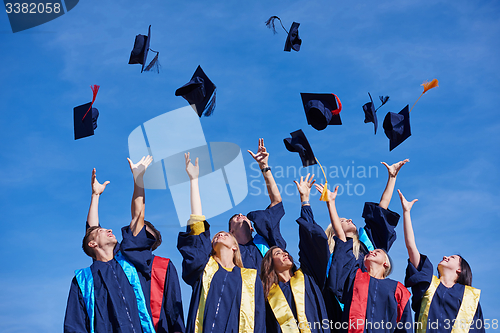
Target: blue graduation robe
115	301
380	225
387	301
267	224
222	309
445	303
313	258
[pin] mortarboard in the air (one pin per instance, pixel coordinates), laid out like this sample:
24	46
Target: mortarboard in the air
397	127
298	144
139	53
371	112
199	91
321	109
85	117
292	40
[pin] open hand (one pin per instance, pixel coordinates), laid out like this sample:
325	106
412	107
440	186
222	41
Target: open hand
404	203
304	186
262	155
193	171
97	188
331	195
140	167
394	169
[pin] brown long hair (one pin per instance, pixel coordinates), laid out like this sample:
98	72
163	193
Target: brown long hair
236	255
268	275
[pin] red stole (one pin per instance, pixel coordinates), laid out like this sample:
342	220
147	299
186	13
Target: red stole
158	273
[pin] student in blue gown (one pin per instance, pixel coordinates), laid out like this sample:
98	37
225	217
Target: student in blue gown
440	302
378	233
294	299
372	302
226	297
116	287
266	222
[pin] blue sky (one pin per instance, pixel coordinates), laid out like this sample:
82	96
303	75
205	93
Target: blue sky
349	48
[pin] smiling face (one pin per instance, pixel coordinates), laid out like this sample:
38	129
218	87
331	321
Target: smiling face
102	237
238	222
225	239
348	227
378	257
451	263
281	260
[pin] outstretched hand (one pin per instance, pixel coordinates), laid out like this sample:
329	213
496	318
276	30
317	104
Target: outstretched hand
394	169
304	186
404	203
140	167
262	155
193	171
331	195
97	188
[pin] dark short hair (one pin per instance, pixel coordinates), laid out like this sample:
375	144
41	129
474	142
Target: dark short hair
465	275
229	223
86	239
156	234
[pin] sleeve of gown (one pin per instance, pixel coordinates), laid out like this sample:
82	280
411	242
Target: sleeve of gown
419	280
267	224
137	249
172	302
260	307
314	252
380	225
76	319
195	247
343	268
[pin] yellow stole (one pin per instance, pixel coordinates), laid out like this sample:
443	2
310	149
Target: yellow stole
247	307
468	308
282	310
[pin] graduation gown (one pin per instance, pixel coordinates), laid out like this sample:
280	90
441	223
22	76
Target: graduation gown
380	225
267	224
378	305
115	305
223	300
313	258
445	303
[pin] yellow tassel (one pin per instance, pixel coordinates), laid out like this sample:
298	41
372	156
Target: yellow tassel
324	195
429	85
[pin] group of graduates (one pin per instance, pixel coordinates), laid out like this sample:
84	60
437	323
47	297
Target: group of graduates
244	283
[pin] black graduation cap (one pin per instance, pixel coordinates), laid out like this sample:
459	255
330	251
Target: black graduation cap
292	40
371	112
200	91
298	144
139	53
397	127
321	109
85	117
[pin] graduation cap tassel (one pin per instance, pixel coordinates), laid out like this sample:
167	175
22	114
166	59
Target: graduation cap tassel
324	195
427	86
95	89
154	64
383	99
270	24
209	109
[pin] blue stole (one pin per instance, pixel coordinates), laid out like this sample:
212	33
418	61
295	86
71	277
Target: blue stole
261	244
86	283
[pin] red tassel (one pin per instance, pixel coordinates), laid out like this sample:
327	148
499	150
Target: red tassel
95	89
337	111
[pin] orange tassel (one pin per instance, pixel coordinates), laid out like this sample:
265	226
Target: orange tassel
429	85
324	195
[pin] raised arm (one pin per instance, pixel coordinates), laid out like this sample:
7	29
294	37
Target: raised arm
138	200
411	246
262	157
332	209
97	189
193	172
391	182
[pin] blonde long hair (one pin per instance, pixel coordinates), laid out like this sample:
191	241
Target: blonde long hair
356	244
236	254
